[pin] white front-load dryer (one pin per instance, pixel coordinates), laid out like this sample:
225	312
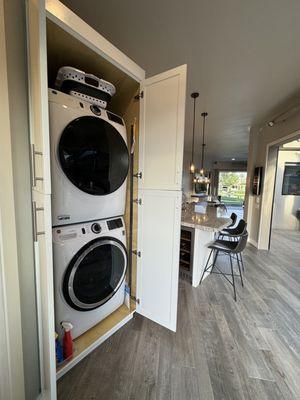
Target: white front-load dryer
90	262
89	160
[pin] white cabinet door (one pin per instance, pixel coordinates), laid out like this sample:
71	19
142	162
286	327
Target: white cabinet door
44	282
162	130
41	191
38	95
158	267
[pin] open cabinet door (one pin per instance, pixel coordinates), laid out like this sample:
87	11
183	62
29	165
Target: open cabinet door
161	156
41	191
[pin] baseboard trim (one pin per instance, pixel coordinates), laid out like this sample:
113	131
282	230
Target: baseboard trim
253	243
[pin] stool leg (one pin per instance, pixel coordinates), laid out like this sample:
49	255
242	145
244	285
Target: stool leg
239	266
206	265
242	262
214	260
233	282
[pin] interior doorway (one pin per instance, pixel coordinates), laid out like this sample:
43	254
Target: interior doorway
280	216
285	223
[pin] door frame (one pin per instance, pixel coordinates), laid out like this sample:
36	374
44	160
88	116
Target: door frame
11	352
269	177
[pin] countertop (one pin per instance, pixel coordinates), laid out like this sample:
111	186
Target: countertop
204	217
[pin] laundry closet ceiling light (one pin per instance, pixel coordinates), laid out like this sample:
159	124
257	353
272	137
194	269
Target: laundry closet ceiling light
194	96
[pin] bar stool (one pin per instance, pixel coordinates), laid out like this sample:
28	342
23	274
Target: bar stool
233	234
233	218
233	250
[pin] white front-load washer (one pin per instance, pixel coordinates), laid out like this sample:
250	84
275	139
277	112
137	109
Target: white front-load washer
89	160
90	262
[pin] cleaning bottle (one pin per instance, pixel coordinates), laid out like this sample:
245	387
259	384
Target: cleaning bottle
58	348
67	340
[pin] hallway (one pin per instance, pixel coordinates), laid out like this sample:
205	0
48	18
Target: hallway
222	349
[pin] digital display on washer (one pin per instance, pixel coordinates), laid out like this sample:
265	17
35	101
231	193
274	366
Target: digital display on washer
114	224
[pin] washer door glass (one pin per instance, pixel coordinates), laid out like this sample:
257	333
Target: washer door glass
95	274
93	155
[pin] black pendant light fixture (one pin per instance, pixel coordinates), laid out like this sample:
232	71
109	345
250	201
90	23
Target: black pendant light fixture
203	115
203	178
194	96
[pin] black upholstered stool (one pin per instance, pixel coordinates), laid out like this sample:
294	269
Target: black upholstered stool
233	234
233	218
231	248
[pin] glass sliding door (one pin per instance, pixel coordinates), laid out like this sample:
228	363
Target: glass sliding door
232	187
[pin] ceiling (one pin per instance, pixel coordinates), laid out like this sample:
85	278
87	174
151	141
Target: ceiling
243	57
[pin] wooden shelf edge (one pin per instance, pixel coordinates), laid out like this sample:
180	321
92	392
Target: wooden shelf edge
65	367
184	262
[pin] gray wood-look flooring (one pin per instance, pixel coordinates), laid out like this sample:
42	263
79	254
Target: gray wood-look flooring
221	350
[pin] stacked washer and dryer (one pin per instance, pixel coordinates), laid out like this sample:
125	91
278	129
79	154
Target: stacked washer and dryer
89	166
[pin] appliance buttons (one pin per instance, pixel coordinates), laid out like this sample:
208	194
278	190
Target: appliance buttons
96	228
95	109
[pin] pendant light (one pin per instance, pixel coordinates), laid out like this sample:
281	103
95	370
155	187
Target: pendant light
203	177
203	115
194	96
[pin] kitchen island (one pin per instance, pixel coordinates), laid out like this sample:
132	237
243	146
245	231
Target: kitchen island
200	224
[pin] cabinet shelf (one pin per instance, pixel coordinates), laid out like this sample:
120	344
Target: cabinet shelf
185	239
188	251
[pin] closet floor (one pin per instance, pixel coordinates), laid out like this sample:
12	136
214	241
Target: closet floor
221	350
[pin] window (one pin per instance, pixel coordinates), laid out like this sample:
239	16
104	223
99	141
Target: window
232	186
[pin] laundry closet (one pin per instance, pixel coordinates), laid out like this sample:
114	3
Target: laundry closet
145	234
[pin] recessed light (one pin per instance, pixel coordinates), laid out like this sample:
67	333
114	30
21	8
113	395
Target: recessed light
233	159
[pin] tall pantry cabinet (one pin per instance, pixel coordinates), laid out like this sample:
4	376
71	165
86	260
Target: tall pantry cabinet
161	136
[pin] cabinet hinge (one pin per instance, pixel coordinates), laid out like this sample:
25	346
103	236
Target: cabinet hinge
139	96
138	175
135	299
137	253
138	201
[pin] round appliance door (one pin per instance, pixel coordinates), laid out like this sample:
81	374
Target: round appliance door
95	274
93	155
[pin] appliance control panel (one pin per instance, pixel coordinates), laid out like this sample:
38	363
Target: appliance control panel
88	230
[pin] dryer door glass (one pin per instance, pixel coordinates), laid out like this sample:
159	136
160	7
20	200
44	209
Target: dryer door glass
93	155
95	274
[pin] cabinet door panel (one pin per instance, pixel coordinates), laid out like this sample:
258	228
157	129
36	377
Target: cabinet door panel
162	130
41	191
44	281
38	95
158	241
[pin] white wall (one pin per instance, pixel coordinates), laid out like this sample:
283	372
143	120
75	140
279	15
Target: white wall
285	206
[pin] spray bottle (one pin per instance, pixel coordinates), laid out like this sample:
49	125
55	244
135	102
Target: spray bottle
67	339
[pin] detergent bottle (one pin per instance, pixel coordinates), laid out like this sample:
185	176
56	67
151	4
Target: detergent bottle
67	340
59	352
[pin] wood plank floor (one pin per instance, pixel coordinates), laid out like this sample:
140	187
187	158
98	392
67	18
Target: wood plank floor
221	350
